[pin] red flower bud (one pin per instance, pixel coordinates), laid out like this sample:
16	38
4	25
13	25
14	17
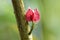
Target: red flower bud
32	15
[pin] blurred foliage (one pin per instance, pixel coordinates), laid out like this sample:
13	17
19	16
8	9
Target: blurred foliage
8	26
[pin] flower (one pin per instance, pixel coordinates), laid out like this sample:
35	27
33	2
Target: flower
32	15
36	15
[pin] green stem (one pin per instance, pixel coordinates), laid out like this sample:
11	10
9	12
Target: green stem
31	29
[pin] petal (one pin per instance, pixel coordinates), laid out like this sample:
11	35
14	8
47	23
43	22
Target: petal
36	15
29	14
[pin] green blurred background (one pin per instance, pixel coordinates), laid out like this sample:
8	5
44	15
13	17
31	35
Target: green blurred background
47	29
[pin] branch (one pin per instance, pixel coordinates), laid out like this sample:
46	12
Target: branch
19	13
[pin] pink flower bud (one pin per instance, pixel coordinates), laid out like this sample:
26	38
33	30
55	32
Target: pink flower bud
36	15
32	15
